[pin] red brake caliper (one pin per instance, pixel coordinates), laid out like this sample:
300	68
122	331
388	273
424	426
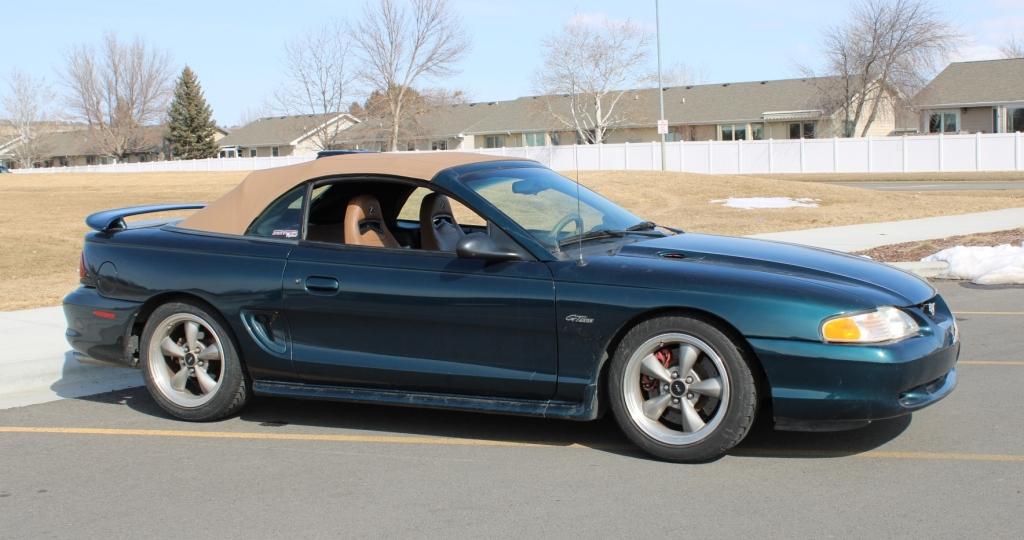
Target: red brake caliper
664	355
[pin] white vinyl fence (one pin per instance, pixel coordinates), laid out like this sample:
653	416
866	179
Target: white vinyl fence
919	153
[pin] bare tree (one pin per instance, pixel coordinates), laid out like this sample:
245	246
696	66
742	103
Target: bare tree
1013	48
678	74
886	50
319	79
587	70
26	106
400	47
117	90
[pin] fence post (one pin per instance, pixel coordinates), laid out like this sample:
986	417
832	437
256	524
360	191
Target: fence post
942	157
625	155
870	167
903	149
653	157
835	154
682	154
977	151
801	154
771	156
599	156
711	169
1016	150
739	156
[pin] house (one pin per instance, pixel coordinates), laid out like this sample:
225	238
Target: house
780	109
79	147
985	96
284	135
7	143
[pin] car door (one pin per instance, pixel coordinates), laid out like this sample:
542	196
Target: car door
421	321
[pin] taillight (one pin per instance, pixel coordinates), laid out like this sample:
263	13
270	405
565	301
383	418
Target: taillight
83	275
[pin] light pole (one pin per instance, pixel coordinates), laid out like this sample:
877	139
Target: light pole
662	124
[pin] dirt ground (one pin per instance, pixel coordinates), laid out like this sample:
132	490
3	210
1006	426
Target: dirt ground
41	216
915	251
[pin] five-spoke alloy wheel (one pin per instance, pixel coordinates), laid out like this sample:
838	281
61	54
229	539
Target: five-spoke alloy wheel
190	363
682	389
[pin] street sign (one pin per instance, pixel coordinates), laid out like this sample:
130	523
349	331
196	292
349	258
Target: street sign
662	127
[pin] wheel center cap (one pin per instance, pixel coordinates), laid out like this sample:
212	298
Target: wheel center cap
190	359
677	388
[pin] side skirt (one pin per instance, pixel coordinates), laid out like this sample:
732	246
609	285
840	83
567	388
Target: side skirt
544	409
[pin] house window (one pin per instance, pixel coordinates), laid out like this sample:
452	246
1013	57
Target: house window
673	136
1015	120
274	151
439	145
534	139
494	141
733	132
252	152
944	122
556	139
90	160
757	132
804	130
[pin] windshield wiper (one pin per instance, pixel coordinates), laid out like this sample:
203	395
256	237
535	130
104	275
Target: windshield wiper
642	226
592	235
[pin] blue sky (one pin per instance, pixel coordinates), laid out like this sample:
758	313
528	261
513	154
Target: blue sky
236	47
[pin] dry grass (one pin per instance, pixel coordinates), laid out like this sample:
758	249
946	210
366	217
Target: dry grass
41	216
997	176
915	251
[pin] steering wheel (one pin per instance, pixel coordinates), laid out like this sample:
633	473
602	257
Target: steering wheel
571	218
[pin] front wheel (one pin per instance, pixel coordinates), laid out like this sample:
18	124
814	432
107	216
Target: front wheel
190	363
681	389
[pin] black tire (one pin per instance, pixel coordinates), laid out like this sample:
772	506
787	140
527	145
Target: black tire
741	403
234	387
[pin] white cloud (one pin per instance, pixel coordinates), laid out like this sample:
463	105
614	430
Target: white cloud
976	51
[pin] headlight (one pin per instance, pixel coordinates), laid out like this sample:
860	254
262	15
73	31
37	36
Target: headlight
882	324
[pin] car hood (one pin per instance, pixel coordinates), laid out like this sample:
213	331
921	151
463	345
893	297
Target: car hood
820	265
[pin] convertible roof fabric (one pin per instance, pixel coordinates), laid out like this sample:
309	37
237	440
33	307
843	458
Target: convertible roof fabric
236	210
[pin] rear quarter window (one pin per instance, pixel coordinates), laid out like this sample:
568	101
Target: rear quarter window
282	219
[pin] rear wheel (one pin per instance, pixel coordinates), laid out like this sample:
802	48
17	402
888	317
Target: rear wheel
190	363
681	389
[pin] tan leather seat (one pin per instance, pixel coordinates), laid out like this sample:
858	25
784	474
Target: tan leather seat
438	229
364	224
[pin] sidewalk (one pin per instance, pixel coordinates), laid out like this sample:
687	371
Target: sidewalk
871	235
36	364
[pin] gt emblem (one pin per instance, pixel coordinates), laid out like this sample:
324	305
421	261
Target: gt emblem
582	319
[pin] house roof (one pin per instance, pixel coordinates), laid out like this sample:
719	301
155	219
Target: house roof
277	130
691	104
983	82
236	209
81	142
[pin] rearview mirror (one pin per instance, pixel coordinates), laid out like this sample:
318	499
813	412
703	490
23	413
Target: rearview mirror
480	246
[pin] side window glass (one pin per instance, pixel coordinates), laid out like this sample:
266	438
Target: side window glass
411	210
282	219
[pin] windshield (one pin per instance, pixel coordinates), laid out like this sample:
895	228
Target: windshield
544	203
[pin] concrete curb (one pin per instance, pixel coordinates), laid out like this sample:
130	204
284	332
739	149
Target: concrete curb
37	366
923	269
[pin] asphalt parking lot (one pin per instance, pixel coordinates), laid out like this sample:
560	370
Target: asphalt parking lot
114	465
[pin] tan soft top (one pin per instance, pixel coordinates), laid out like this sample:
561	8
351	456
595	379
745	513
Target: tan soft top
236	210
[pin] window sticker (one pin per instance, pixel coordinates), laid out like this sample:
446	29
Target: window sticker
287	233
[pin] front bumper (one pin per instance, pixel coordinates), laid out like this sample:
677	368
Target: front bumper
99	328
826	386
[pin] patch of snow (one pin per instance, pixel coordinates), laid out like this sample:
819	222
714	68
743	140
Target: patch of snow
985	265
751	203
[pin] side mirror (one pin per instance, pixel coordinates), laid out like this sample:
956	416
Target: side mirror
481	246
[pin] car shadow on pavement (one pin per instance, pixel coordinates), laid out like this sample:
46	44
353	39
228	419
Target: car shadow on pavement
264	413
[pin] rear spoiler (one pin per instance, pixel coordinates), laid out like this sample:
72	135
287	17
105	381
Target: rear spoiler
113	220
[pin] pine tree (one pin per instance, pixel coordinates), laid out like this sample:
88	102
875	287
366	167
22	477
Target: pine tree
191	126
